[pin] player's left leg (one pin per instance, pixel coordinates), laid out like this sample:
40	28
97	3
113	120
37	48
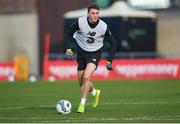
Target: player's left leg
80	77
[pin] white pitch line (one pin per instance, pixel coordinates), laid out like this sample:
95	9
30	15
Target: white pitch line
27	107
138	103
67	119
107	103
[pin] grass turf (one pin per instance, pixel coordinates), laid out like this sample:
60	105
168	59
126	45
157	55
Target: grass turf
121	101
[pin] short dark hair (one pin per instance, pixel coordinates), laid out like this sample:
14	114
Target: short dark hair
93	6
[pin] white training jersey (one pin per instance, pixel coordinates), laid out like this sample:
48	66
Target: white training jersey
90	39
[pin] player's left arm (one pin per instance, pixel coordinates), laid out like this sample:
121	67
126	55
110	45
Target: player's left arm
109	37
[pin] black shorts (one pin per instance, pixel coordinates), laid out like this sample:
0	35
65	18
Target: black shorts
83	58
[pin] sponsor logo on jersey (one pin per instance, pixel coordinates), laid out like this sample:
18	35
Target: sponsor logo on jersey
91	33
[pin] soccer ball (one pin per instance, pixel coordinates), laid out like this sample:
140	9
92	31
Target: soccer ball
64	107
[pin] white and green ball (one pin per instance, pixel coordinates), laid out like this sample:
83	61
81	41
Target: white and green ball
64	107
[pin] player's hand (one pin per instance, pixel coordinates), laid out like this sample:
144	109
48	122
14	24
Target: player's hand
69	54
109	66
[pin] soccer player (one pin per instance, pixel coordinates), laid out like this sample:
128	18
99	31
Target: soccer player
89	32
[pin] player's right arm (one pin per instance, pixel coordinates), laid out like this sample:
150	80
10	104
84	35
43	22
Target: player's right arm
68	38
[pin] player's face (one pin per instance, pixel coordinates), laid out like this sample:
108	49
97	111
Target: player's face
93	15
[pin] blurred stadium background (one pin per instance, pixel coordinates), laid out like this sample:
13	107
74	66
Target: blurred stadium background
33	29
32	49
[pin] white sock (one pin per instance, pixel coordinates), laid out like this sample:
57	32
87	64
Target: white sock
83	101
93	92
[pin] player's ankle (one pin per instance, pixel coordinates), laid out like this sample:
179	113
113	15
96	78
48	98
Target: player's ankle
93	92
83	101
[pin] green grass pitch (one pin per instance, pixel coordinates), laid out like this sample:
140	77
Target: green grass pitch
145	101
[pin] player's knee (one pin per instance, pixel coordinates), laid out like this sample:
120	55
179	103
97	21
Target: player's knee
86	79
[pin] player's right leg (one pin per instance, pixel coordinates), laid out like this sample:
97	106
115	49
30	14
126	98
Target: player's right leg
80	79
86	85
94	92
